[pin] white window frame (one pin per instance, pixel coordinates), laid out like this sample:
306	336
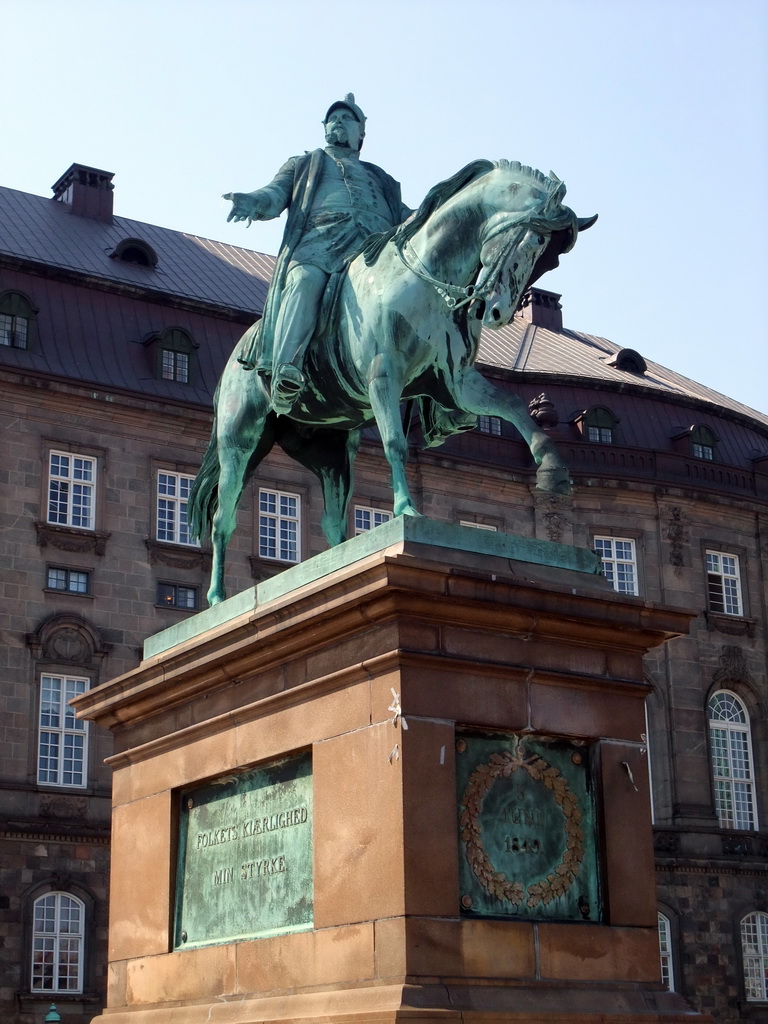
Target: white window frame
619	563
58	936
665	951
372	516
754	955
172	525
62	747
723	583
730	747
478	526
71	491
279	525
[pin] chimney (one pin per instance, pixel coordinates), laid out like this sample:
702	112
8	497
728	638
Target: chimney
542	309
87	191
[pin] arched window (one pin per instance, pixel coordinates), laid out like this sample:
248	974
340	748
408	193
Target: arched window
57	943
703	443
134	250
17	318
665	952
754	955
599	424
732	770
173	354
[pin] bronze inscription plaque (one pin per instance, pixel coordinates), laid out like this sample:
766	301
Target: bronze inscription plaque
245	856
527	828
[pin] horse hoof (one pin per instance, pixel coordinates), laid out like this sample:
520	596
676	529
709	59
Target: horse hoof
214	597
409	510
553	481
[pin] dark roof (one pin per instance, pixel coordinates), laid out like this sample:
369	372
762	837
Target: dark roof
44	231
540	353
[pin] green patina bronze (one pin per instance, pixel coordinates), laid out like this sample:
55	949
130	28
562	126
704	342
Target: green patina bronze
527	828
367	309
245	856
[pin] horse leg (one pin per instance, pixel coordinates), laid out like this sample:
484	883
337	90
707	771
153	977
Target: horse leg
330	455
233	463
248	439
477	395
384	397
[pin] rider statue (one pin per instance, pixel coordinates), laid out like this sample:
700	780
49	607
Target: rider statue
334	201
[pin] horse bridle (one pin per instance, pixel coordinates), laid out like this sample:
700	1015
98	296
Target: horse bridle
454	295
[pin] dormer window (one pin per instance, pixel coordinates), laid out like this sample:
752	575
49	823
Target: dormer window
629	361
17	316
703	443
598	424
174	355
133	250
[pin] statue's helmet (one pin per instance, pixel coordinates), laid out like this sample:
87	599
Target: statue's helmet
349	103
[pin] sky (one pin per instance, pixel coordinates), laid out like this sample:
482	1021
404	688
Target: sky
654	113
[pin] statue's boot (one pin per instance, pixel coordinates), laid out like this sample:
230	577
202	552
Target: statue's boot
287	384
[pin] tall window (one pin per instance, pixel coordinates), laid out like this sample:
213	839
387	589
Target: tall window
489	425
723	583
619	560
172	500
702	443
63	748
367	518
57	943
71	490
665	952
754	953
279	521
16	320
731	752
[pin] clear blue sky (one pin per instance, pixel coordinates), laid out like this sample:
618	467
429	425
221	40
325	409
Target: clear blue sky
654	113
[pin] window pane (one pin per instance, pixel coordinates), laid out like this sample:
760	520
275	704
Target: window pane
71	490
754	950
367	518
62	745
619	563
57	943
173	491
279	526
731	758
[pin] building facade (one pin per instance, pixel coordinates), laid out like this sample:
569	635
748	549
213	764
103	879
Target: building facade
112	336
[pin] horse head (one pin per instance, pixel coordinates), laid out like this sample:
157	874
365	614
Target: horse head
526	223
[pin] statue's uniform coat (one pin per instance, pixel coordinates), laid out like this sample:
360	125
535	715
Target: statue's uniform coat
295	186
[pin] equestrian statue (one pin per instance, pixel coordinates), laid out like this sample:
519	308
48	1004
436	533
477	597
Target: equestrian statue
370	305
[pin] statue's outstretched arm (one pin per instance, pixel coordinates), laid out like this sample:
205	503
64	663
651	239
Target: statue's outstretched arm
265	203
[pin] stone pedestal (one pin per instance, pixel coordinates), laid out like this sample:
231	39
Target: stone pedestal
381	666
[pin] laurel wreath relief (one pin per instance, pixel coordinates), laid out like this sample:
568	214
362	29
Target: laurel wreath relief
502	766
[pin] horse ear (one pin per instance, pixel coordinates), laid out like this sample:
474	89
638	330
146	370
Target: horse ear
586	222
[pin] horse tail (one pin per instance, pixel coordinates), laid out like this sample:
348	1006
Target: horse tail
204	495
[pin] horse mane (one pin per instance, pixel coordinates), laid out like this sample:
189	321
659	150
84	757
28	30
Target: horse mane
440	194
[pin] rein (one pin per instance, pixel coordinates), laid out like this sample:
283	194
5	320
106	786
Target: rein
454	295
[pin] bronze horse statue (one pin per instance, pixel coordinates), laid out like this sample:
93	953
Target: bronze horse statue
405	326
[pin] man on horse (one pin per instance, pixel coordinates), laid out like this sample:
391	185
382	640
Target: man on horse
334	202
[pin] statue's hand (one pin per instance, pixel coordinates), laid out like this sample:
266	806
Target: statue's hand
244	207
